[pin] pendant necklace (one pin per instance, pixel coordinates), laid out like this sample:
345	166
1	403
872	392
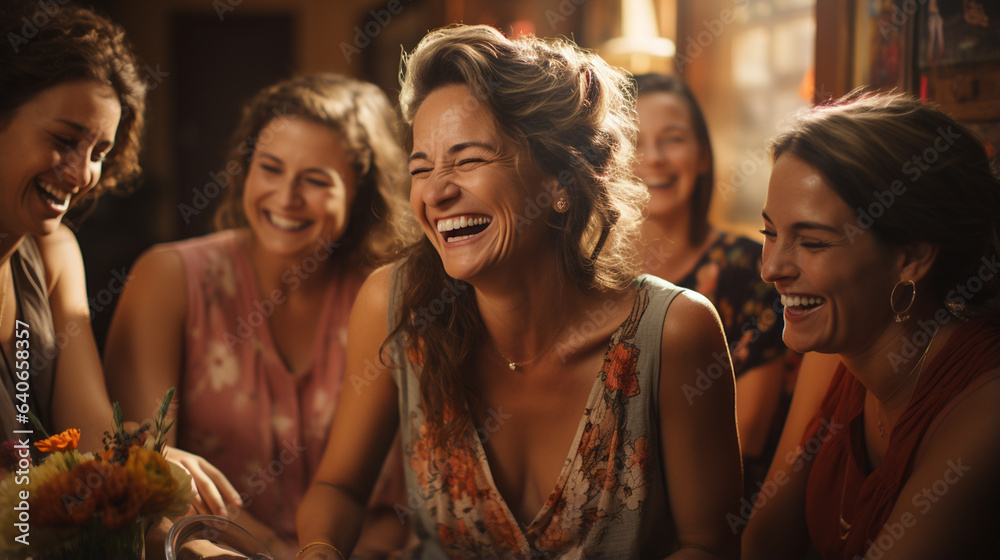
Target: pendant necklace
513	365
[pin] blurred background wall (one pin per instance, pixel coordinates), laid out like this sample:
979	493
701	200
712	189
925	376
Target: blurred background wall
752	64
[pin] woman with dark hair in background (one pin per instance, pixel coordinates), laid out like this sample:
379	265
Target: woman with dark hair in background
881	234
676	163
71	118
539	382
250	322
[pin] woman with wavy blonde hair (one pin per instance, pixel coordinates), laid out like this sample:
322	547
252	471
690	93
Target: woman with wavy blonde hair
536	381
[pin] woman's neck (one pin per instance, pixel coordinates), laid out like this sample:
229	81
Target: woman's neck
899	355
305	275
525	318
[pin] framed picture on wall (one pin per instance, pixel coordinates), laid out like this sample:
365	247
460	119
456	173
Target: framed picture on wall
883	44
958	57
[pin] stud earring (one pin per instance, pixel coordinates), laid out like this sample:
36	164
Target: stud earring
562	205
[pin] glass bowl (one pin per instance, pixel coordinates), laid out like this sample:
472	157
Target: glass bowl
210	536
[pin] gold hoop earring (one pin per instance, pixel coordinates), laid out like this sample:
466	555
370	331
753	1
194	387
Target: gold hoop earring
562	205
902	315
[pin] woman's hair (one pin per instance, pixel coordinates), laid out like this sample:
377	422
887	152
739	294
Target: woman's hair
701	198
574	117
49	44
911	174
360	113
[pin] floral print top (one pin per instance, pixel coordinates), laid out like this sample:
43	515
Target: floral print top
262	425
728	274
609	500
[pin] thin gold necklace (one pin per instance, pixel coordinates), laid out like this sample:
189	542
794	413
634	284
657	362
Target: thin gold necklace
512	364
918	368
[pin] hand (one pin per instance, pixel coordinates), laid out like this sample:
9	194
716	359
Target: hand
212	493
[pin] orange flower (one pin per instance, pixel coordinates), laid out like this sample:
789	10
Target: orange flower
121	498
64	501
640	456
61	442
619	363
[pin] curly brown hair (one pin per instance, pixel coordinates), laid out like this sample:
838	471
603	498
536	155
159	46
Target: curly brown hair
47	45
575	117
361	114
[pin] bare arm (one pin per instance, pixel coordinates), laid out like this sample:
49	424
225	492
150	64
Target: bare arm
143	359
777	528
758	393
79	398
699	440
363	430
144	349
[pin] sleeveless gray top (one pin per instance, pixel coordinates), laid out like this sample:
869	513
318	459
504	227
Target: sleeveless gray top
30	289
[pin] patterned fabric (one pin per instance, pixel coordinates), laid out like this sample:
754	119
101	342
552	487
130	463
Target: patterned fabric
609	500
728	274
33	308
240	406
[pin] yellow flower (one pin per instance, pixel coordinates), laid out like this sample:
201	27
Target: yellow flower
60	442
152	471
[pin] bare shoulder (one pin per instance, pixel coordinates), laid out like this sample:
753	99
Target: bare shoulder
368	324
158	271
373	298
696	344
691	321
60	252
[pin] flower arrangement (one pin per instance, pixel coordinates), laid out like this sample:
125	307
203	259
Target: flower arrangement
85	505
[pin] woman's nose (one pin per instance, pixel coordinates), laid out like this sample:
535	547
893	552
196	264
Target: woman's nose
288	192
77	169
438	188
776	262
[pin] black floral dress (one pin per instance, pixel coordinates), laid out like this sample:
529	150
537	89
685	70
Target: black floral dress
728	274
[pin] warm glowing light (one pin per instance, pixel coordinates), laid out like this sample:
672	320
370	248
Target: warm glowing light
640	39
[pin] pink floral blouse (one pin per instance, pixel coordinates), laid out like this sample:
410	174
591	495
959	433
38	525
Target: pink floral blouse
241	408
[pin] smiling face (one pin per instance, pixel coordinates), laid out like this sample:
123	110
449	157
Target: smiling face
670	158
51	152
834	281
299	188
469	193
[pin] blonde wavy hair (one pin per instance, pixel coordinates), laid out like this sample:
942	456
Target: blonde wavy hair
574	116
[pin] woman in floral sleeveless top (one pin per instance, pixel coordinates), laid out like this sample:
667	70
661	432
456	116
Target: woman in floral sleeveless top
538	384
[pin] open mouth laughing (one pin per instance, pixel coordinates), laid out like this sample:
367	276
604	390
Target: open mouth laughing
286	224
460	228
55	198
801	304
660	183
